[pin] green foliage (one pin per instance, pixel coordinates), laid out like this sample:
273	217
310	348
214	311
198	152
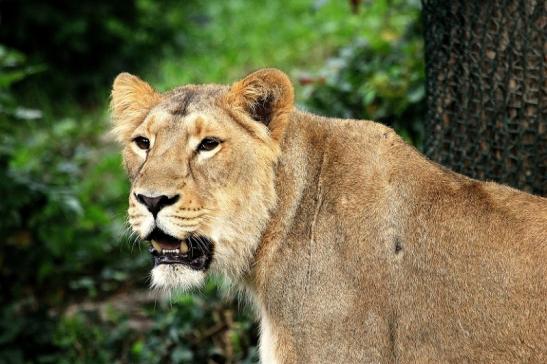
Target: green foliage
190	329
89	41
231	38
380	75
55	210
72	282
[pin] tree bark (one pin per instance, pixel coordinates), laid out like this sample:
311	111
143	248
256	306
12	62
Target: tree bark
486	89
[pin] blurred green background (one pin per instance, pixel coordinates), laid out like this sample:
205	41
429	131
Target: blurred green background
74	286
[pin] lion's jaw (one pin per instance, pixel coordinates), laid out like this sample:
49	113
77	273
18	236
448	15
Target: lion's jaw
214	202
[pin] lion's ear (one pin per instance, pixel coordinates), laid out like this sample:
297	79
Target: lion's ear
131	100
267	96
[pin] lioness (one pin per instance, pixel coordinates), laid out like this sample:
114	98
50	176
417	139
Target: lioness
353	247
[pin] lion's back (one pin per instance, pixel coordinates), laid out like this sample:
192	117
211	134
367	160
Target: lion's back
473	278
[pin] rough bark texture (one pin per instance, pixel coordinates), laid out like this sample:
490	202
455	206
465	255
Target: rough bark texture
486	89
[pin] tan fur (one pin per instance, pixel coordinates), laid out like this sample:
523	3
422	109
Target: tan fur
353	246
131	100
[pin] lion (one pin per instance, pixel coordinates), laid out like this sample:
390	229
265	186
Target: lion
352	246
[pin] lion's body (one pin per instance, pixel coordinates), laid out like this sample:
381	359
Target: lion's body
353	246
378	255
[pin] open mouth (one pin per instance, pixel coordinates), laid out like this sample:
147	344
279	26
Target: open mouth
194	251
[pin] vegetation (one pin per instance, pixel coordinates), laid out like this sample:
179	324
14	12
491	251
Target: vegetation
74	285
378	77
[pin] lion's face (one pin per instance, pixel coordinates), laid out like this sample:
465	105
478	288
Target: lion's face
201	163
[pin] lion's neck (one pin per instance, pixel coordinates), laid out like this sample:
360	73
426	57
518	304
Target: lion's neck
297	175
316	153
309	243
298	192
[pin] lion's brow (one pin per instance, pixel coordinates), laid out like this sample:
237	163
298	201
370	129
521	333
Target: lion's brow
179	103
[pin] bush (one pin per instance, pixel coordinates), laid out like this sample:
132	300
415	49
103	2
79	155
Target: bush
85	43
196	329
55	246
378	77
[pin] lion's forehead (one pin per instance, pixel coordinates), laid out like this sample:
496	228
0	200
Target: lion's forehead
193	98
188	109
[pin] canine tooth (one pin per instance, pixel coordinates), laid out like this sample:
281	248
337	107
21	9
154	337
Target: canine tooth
183	247
156	246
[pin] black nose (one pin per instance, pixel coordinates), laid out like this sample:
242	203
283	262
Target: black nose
155	204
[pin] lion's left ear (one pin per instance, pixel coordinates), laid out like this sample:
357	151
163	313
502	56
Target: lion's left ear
131	100
267	96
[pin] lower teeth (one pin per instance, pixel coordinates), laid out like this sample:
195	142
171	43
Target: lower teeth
182	249
170	251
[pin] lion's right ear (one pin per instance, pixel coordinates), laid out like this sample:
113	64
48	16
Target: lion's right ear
131	100
266	96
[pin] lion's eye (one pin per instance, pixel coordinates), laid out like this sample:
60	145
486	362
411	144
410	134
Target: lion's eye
208	144
142	142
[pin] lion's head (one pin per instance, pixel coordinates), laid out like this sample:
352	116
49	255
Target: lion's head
201	164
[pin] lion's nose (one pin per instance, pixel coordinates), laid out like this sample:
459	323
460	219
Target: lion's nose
155	204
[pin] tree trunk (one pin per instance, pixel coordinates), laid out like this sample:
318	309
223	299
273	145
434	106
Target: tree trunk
486	89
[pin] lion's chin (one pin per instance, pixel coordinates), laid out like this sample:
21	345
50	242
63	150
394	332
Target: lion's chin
169	277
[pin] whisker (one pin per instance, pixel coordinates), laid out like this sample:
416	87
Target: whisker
201	244
133	238
191	245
